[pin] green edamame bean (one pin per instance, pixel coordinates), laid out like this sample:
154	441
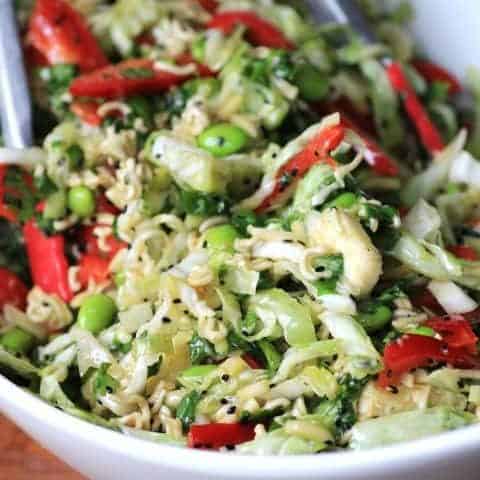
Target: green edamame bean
55	206
312	84
375	319
223	139
344	200
97	313
17	340
221	238
81	201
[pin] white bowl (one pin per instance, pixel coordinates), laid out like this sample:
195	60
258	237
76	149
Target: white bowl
450	33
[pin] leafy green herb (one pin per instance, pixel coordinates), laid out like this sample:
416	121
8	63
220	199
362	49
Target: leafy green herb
187	408
57	79
137	73
200	350
340	414
330	263
44	185
242	220
262	416
12	250
271	354
249	323
383	213
19	195
118	346
203	204
104	383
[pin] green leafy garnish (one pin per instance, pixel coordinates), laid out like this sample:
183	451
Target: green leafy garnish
187	408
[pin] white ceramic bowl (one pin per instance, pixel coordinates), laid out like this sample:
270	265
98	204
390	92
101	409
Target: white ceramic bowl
450	33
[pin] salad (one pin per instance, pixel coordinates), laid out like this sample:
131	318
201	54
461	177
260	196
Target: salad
242	231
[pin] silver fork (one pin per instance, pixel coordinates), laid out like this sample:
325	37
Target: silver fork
15	105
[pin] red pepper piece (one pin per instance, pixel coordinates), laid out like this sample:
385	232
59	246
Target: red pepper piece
260	32
428	132
414	351
87	112
251	361
464	251
432	72
130	77
218	435
203	70
455	331
145	38
34	58
13	291
425	299
380	162
91	243
316	151
104	205
209	5
48	263
93	267
62	35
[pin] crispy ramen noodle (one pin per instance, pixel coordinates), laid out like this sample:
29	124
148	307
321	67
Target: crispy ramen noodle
48	310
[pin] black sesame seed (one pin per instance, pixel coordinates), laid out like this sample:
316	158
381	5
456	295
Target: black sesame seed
230	447
166	320
177	300
224	401
225	377
231	410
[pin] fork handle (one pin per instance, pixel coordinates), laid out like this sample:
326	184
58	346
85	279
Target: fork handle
15	107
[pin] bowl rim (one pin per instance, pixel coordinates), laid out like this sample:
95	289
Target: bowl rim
398	458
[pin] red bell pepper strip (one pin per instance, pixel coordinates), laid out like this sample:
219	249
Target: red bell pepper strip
86	112
91	243
455	331
218	435
316	151
425	299
260	32
414	351
432	72
464	251
104	205
34	58
209	5
203	70
251	361
62	35
428	132
93	267
48	263
130	77
380	162
13	291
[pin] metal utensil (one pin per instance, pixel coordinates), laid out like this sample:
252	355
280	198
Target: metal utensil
347	12
15	105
